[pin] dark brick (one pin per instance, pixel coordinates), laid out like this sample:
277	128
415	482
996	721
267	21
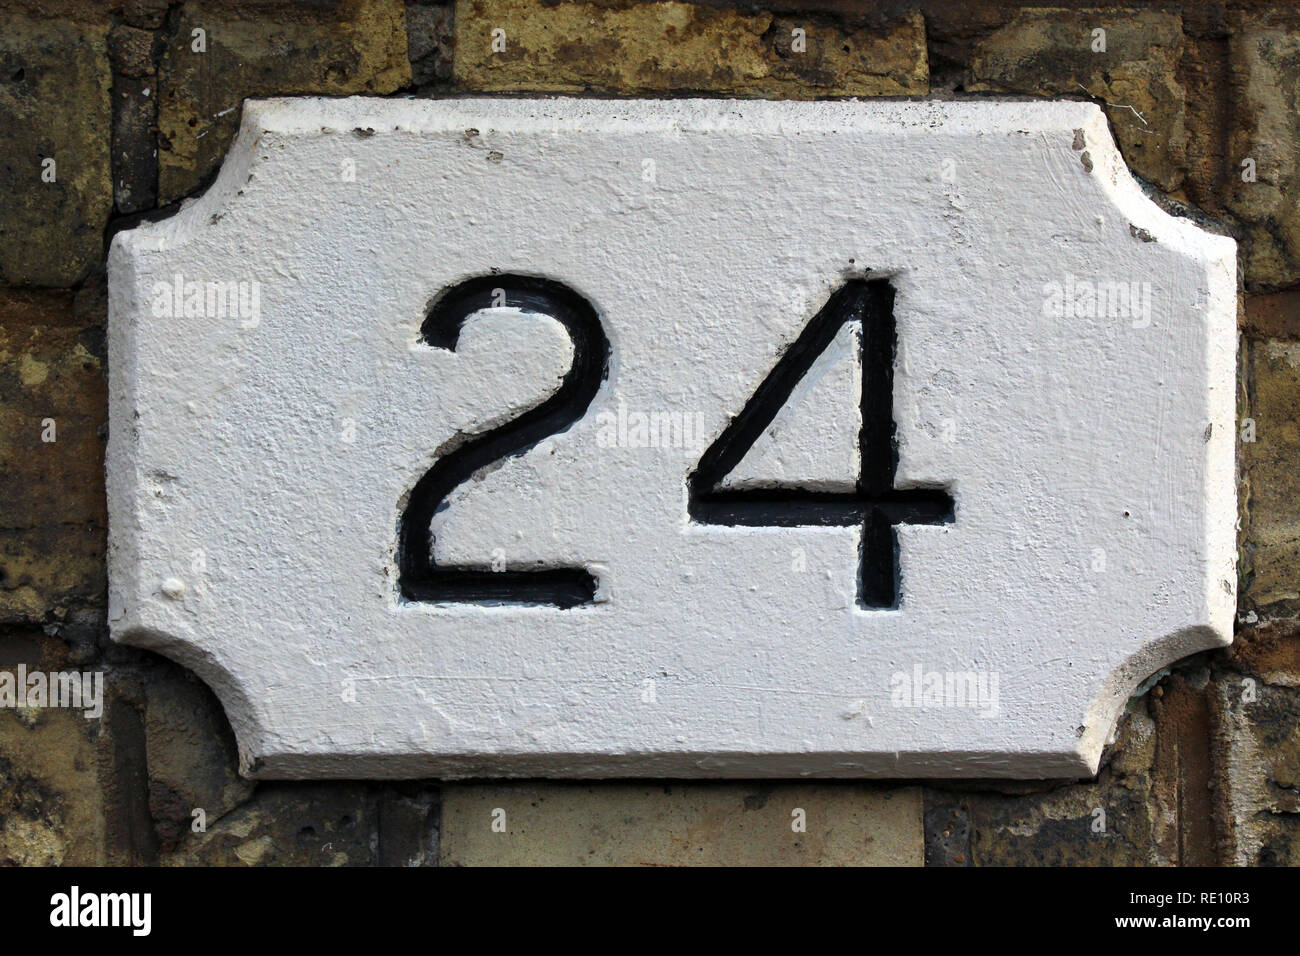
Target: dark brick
52	531
54	106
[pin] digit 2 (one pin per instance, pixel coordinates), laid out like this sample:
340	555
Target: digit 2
420	577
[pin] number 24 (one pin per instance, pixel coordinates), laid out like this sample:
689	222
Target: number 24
874	504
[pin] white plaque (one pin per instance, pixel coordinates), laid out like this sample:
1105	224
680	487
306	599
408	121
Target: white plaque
693	438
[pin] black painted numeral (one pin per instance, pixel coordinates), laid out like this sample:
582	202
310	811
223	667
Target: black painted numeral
875	504
420	577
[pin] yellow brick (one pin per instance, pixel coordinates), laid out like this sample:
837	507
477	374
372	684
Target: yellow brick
559	824
679	47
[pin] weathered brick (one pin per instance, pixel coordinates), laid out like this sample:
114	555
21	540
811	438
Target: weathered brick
1184	800
135	165
1257	741
681	824
146	14
947	829
346	48
1049	52
1273	316
71	11
135	119
52	804
129	835
1203	73
408	825
1271	543
430	39
289	825
54	106
49	815
131	51
660	47
137	13
52	520
1269	652
1264	62
190	754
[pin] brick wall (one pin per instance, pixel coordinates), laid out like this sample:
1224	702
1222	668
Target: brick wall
135	103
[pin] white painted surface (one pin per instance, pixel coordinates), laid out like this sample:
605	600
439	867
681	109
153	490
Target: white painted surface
813	440
257	463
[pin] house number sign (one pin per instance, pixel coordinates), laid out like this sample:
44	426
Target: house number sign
693	438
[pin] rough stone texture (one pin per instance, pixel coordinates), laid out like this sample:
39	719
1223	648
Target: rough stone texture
1271	547
71	786
53	521
344	824
1184	800
673	825
1257	709
131	50
408	825
1273	316
430	40
357	47
673	47
947	829
135	119
289	825
147	14
1049	52
54	104
1264	60
1269	652
136	13
1207	109
191	758
51	807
